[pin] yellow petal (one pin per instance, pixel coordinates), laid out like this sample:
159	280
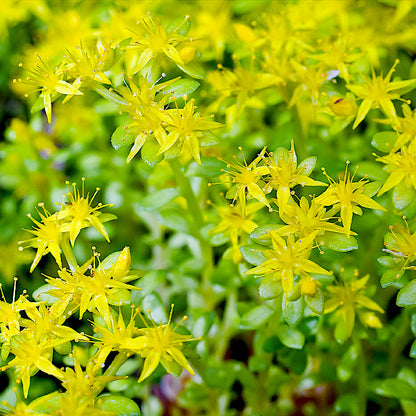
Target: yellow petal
150	365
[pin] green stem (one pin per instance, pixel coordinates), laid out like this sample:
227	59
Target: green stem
197	219
227	328
362	378
112	369
68	253
108	95
399	342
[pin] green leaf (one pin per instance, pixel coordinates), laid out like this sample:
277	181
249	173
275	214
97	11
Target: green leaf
391	277
119	297
47	404
39	104
272	344
260	234
179	88
347	364
295	360
339	242
203	324
64	349
388	261
174	220
210	168
407	295
413	323
193	395
120	405
121	137
256	317
291	337
181	26
308	165
384	140
154	302
109	261
403	195
341	332
253	254
270	288
150	152
372	188
407	375
157	199
316	303
193	69
293	311
396	388
219	376
42	294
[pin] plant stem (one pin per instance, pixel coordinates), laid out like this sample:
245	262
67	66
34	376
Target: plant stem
112	369
68	253
227	328
361	377
399	342
197	218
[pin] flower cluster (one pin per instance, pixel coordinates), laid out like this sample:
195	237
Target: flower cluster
30	331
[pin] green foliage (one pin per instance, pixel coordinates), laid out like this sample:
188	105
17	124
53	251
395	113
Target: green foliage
233	141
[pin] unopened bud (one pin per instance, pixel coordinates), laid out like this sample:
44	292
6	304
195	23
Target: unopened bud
122	265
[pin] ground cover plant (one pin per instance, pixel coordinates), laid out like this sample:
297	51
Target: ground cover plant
208	207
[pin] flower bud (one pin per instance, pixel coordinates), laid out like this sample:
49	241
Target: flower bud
309	287
122	264
372	320
188	53
342	107
245	33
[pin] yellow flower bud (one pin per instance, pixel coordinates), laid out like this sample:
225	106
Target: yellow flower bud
372	320
309	287
342	107
245	33
188	53
122	265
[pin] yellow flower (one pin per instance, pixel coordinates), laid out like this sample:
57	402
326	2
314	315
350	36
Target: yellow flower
45	326
146	115
78	213
348	300
235	223
347	196
80	384
31	356
159	344
10	318
184	127
402	243
49	82
154	40
246	178
48	237
242	84
401	166
285	173
288	259
94	292
379	92
303	219
110	340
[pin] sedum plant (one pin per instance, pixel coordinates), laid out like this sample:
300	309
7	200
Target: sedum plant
261	168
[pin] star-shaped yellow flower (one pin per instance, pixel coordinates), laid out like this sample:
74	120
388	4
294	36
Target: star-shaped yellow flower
379	92
159	344
287	259
347	196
